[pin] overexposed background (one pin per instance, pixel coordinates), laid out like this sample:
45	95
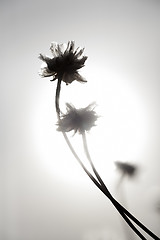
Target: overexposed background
44	192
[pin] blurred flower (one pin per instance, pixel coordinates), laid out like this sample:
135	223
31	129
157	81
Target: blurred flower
126	168
80	120
65	63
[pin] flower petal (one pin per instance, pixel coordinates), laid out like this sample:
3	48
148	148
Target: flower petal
67	48
44	72
78	54
72	44
61	48
53	49
44	58
79	78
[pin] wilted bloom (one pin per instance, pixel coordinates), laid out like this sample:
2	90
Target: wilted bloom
126	168
79	120
64	64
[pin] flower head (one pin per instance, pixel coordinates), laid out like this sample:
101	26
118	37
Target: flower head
126	168
65	63
79	120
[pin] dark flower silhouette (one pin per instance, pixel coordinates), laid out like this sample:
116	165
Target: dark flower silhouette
79	120
65	63
126	168
64	66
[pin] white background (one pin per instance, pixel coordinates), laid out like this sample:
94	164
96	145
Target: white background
44	192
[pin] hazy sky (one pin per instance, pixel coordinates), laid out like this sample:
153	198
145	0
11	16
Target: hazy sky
44	193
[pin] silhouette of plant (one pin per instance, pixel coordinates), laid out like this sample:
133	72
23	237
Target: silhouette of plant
126	169
64	67
65	63
79	120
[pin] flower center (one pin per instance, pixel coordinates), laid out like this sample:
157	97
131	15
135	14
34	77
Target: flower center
64	63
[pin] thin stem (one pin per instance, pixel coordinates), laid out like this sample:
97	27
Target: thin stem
114	201
128	233
100	187
105	190
131	225
90	160
80	162
66	137
58	96
100	184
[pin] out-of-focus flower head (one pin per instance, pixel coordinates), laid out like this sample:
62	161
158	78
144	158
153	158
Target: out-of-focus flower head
65	63
126	168
78	120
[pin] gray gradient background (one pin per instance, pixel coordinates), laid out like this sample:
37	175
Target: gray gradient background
121	38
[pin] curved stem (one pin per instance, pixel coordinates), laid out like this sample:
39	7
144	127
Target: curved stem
65	135
131	225
100	187
100	184
149	232
90	160
105	190
80	162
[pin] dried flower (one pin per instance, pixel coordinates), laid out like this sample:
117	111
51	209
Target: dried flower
80	120
126	168
65	63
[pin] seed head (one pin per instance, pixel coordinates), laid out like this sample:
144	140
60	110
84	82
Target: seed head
78	120
64	64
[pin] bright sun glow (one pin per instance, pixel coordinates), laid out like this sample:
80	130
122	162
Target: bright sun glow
119	135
